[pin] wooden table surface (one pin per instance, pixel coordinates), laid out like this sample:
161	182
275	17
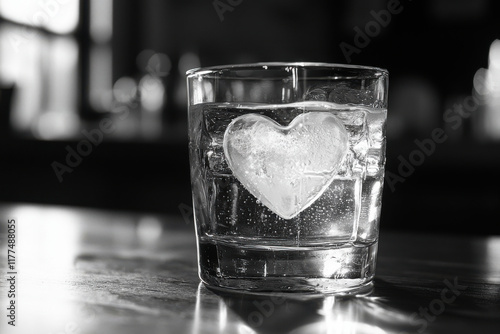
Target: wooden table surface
88	271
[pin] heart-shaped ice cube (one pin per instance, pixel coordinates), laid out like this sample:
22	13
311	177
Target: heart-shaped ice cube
286	167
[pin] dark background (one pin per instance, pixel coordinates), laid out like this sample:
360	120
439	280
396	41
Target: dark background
85	61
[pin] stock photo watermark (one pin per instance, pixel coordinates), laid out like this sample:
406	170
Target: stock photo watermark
223	6
363	37
94	137
454	117
437	306
186	213
47	10
265	309
11	275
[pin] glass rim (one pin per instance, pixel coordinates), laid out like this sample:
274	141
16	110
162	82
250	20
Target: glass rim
203	71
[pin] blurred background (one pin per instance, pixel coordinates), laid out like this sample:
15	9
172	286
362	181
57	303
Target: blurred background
112	72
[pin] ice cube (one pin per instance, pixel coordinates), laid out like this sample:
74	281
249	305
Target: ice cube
343	93
212	136
286	167
317	94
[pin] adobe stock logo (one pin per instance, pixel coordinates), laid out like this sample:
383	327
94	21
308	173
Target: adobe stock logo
221	7
48	9
372	29
437	306
452	117
265	309
84	147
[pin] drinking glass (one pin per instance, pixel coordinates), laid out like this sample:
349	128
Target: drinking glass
287	169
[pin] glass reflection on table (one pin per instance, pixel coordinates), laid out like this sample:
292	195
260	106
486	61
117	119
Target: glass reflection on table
244	313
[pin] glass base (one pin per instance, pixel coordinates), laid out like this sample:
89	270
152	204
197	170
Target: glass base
343	269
